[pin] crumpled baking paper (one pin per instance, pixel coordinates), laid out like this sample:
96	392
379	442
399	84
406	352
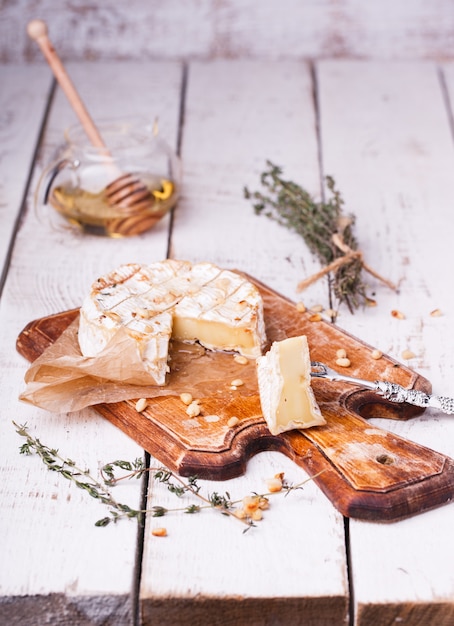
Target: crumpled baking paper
63	380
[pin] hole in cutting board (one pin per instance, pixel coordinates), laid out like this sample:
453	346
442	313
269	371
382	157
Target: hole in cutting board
385	459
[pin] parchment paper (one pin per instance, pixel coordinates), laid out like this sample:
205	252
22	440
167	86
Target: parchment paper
62	380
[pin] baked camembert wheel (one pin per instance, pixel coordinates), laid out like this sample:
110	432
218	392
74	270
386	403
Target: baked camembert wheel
173	299
284	379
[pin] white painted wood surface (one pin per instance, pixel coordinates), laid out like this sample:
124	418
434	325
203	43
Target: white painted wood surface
386	138
200	29
22	109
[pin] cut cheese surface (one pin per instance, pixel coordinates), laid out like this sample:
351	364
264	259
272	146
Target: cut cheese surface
284	379
173	299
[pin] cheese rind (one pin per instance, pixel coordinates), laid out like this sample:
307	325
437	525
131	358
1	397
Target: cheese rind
173	299
284	380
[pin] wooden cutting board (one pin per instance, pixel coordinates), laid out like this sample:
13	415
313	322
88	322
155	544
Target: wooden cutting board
367	472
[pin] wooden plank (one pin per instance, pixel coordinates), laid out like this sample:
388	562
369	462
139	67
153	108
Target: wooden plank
238	114
23	99
235	28
387	141
55	561
252	123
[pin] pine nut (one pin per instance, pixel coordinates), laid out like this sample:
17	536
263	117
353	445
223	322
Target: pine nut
408	354
341	353
300	307
159	532
376	354
186	398
240	359
141	405
264	503
237	382
250	504
193	409
274	484
397	314
331	313
343	362
240	513
233	421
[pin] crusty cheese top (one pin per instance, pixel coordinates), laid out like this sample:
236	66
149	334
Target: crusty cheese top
192	302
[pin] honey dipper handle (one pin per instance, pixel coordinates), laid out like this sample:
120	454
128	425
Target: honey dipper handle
37	30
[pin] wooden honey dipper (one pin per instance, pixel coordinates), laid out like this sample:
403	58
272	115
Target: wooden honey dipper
127	191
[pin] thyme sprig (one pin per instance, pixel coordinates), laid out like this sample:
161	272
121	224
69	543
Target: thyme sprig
325	228
82	478
176	485
110	477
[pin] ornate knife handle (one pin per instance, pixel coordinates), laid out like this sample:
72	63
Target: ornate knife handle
397	393
390	391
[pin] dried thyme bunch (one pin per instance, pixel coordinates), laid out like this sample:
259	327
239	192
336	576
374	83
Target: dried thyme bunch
326	230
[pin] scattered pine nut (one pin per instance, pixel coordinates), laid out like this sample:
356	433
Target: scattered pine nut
193	409
408	354
250	504
317	308
316	317
274	484
237	382
264	503
371	302
436	313
343	362
301	307
141	405
341	353
186	398
233	421
252	508
159	532
397	314
240	359
331	313
376	354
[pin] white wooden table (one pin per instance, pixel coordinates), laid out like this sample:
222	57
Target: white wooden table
384	132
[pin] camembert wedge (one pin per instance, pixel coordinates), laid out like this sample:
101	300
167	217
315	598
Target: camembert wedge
284	379
173	299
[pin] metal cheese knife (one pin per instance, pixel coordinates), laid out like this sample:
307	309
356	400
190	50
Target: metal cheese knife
390	391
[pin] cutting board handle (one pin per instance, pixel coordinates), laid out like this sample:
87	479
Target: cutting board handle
369	473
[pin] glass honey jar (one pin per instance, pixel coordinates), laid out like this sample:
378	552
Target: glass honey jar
120	190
